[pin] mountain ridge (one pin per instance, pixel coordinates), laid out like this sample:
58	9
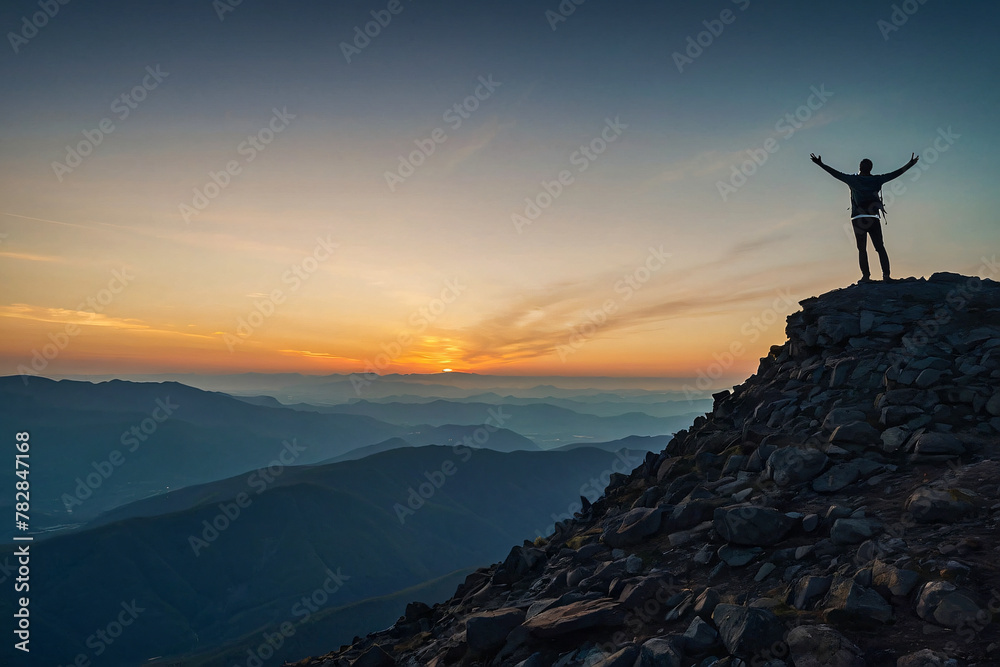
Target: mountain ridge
838	508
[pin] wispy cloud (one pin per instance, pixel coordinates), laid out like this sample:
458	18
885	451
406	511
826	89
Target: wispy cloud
534	324
54	222
66	316
29	257
473	143
696	166
707	163
309	354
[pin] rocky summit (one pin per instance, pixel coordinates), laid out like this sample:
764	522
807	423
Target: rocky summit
837	509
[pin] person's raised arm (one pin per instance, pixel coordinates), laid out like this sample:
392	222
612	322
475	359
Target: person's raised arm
818	159
902	170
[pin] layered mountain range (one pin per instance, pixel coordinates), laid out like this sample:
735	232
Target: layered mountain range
838	508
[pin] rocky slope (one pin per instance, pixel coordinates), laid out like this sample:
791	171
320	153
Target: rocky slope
839	508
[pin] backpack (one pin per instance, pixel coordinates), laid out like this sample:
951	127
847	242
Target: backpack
869	205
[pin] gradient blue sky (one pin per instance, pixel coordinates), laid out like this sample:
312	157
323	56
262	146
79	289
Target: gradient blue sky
523	294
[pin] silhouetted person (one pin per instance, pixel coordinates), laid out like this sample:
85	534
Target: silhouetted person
866	204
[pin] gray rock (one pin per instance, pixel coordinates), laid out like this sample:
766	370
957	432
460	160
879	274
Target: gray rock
930	597
919	398
834	512
859	432
765	570
633	564
894	438
626	657
704	555
536	659
993	405
851	603
538	606
898	581
837	328
706	603
699	636
632	527
747	631
957	609
937	363
822	646
658	652
804	550
733	464
683	605
573	617
683	537
487	632
932	443
946	604
865	554
687	515
737	556
519	562
841	372
837	477
375	657
840	416
808	589
793	465
925	658
851	531
576	575
894	415
638	592
740	496
930	505
928	377
756	526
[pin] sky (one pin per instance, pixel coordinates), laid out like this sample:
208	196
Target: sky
505	187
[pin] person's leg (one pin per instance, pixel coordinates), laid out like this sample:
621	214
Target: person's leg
883	256
861	238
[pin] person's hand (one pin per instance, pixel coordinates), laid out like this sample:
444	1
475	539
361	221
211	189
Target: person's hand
818	159
913	159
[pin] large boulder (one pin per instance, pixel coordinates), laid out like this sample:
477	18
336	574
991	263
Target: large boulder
897	581
632	527
935	505
519	562
936	444
751	525
925	658
822	646
840	416
835	329
747	631
487	632
849	603
859	432
851	531
573	617
945	603
794	465
643	591
658	652
837	477
699	637
808	589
